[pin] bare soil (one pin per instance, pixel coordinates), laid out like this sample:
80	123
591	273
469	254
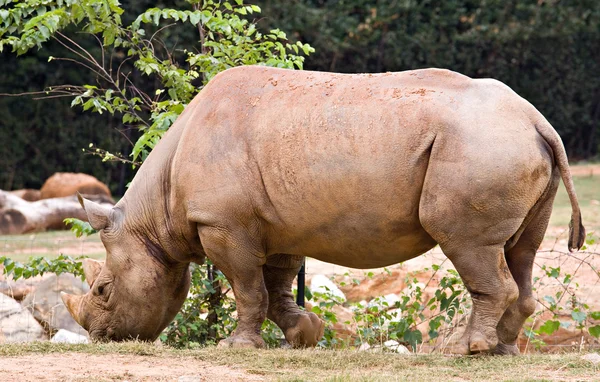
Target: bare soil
115	367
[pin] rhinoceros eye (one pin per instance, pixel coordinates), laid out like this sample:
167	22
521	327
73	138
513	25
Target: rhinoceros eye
101	290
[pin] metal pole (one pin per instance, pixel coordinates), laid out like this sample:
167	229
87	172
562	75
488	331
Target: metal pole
301	283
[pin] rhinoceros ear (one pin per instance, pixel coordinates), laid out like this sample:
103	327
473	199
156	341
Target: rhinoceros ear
97	214
91	269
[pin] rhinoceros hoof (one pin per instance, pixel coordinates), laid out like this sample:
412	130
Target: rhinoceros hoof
504	349
307	332
478	343
475	343
241	342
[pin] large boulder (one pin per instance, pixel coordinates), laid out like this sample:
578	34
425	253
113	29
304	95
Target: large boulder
17	289
68	183
47	306
17	324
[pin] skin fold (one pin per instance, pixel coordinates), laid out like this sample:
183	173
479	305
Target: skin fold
267	166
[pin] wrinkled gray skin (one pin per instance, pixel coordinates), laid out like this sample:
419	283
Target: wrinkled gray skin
267	166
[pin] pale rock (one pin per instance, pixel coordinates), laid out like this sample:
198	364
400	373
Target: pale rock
359	306
364	347
322	284
592	357
66	337
47	306
17	324
395	347
189	378
386	301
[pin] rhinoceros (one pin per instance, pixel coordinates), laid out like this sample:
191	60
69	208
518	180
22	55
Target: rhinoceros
266	166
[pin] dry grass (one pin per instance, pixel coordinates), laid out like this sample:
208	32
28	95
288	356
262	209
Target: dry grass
50	244
340	365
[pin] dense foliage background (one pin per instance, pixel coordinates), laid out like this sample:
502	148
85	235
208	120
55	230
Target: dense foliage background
546	50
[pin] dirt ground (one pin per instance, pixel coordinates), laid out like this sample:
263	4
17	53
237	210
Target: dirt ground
117	367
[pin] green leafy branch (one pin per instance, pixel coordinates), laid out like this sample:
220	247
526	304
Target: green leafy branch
227	39
38	266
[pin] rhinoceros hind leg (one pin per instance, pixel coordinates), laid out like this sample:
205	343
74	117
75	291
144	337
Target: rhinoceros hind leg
301	329
520	259
492	290
241	262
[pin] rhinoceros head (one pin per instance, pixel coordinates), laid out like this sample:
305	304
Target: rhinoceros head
132	295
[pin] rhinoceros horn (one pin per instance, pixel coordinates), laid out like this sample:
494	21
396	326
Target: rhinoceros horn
73	304
98	215
91	269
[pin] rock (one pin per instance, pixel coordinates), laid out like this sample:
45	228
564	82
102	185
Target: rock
189	378
396	316
66	337
592	357
321	284
391	345
67	184
381	284
16	290
17	324
364	347
386	301
19	289
345	327
47	307
395	347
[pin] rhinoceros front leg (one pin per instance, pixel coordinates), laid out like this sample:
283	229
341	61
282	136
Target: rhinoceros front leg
301	328
241	261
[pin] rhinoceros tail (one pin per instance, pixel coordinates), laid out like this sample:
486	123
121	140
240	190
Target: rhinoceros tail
576	228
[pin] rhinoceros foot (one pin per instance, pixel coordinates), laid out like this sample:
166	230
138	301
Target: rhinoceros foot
242	341
472	343
504	349
307	332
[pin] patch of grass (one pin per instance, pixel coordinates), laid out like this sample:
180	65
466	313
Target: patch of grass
50	244
131	347
346	365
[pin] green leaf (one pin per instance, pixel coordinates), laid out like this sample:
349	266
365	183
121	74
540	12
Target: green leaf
308	293
550	299
578	316
549	327
195	18
414	337
595	331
